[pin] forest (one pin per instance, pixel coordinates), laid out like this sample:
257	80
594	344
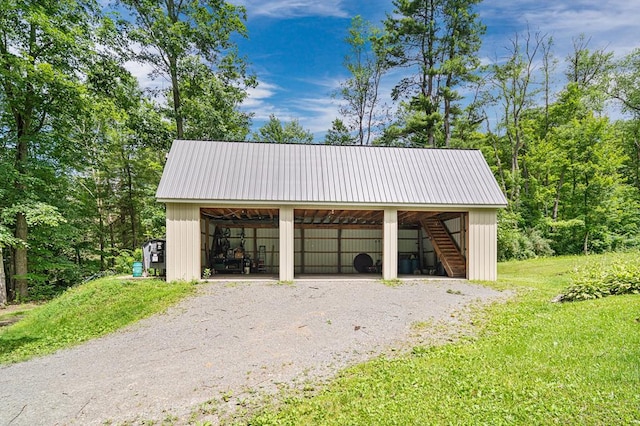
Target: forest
82	145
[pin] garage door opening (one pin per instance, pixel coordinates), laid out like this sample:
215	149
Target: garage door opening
331	242
239	241
432	243
337	242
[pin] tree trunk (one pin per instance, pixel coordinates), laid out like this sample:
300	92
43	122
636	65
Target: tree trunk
177	107
585	247
3	281
20	257
20	264
556	202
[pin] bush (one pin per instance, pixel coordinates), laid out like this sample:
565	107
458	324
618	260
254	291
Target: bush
124	260
597	280
515	244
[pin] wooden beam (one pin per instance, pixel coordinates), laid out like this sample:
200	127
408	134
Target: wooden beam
339	250
302	250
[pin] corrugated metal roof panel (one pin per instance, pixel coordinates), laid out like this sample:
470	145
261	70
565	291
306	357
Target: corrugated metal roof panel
250	171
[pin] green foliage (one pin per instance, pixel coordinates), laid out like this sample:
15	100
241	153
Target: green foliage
531	362
514	243
438	41
596	280
85	312
274	131
123	262
366	65
191	44
338	134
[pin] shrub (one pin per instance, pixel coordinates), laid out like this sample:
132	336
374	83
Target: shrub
599	280
124	260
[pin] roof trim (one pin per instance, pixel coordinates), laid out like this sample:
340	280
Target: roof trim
345	206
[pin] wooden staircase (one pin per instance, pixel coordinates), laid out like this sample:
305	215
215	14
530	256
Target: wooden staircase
445	247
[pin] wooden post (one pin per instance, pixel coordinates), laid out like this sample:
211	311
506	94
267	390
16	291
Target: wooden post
302	250
255	245
420	250
207	256
339	250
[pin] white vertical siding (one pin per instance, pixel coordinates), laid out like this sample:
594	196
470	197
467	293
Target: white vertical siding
286	244
183	242
390	244
483	245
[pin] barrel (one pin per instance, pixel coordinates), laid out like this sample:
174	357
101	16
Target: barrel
137	269
404	266
415	265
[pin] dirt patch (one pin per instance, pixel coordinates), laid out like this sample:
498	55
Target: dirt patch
205	357
10	314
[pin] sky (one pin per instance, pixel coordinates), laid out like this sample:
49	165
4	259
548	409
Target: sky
296	48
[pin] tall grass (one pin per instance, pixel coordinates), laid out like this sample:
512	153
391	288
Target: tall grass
533	362
84	312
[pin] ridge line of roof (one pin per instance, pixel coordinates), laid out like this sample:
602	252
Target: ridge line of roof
325	145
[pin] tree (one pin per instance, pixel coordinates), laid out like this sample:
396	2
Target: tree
179	38
437	41
43	45
211	107
587	68
338	134
366	65
624	87
512	86
274	131
121	135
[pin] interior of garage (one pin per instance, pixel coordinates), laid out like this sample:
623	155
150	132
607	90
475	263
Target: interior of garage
331	242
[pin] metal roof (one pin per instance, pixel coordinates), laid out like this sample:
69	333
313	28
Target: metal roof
326	174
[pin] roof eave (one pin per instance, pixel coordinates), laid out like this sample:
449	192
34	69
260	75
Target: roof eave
312	204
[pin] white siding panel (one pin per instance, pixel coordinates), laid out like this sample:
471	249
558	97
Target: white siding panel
286	255
183	242
390	244
483	249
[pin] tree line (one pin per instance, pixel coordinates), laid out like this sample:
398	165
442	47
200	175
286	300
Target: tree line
82	144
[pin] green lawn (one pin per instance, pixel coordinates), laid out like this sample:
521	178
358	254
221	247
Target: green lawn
85	312
533	362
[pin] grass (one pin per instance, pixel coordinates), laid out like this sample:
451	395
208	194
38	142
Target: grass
532	362
85	312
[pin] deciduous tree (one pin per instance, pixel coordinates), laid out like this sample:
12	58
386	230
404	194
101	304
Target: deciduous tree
43	45
179	37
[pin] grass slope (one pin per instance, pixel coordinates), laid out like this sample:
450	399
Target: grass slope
85	312
534	362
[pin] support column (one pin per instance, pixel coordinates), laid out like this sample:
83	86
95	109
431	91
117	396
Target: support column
390	244
184	238
482	251
286	244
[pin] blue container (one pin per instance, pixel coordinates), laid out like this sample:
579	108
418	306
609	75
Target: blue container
404	266
137	269
414	265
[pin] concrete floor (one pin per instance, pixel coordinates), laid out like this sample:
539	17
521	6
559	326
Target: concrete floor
321	277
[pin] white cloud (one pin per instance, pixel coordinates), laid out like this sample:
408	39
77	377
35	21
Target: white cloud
284	9
142	73
256	96
611	24
318	113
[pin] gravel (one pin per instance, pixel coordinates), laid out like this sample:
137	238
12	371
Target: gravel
230	341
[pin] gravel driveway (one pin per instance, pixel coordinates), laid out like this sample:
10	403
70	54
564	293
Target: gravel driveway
231	339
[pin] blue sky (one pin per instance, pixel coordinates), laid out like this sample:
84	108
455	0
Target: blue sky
296	47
